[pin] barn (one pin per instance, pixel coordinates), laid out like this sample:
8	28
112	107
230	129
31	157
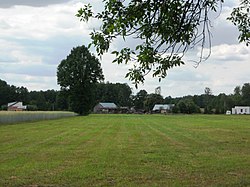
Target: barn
105	108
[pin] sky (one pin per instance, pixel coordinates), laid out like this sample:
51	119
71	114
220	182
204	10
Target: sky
36	35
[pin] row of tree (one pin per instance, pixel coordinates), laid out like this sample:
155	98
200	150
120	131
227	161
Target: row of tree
205	103
121	94
35	100
60	100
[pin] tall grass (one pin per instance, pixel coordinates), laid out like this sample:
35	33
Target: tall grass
23	116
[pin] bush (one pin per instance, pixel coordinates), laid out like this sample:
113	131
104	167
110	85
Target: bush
187	106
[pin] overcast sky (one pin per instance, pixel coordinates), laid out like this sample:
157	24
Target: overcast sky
36	35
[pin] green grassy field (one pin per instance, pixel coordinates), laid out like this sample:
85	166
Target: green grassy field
127	150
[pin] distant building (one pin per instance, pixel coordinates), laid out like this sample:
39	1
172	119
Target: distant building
16	106
241	110
163	108
105	108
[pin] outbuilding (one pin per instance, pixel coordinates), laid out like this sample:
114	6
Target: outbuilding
162	108
241	110
105	108
16	106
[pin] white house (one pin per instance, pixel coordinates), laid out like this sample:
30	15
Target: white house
16	106
163	108
241	110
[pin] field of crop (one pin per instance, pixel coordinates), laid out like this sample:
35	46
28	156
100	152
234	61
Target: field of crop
24	116
127	150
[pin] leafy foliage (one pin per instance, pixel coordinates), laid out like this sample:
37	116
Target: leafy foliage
78	74
10	93
187	106
139	99
246	94
151	100
167	30
117	93
241	18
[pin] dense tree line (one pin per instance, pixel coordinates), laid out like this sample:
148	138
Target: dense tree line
209	103
117	93
35	100
50	100
121	94
204	103
10	92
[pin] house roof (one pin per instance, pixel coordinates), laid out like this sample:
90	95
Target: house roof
108	105
11	104
17	105
163	106
242	107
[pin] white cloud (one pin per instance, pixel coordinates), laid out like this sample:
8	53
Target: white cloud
41	23
32	38
231	52
30	82
234	52
10	3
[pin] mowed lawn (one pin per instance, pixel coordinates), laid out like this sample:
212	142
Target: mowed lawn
127	150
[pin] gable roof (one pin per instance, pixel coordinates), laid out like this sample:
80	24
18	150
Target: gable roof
243	107
18	105
163	106
12	104
108	105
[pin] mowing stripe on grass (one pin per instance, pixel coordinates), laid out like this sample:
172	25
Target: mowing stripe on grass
127	150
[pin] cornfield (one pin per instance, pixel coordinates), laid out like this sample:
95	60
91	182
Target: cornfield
15	117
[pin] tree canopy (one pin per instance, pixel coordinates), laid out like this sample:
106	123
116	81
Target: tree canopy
151	100
78	75
240	17
166	30
117	93
10	93
187	106
121	94
139	99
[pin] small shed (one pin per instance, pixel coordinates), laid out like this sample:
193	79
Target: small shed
105	108
241	110
16	106
163	108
